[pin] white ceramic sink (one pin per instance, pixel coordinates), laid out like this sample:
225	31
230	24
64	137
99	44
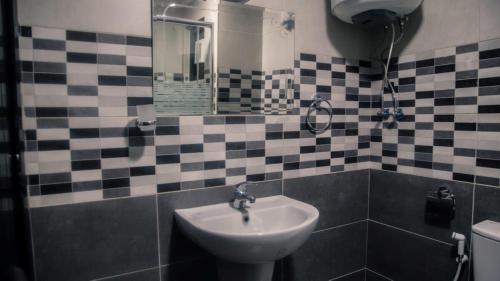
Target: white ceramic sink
267	230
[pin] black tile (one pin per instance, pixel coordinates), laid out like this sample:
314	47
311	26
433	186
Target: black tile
307	57
81	57
328	254
168	159
175	246
495	53
85	165
51	112
487	82
139	71
142	171
50	78
393	253
191	148
340	198
93	240
116	183
486	206
400	200
81	36
139	41
25	31
114	152
84	133
49	44
112	80
55	188
47	145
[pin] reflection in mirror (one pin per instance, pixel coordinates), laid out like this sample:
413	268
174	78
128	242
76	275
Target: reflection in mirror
182	82
249	49
255	61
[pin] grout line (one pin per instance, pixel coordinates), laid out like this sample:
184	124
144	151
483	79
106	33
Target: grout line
368	217
158	236
338	226
123	274
410	232
32	246
345	275
381	275
469	243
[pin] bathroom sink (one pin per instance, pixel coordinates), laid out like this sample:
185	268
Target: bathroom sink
265	231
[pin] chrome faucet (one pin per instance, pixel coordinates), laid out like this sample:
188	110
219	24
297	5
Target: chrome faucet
241	196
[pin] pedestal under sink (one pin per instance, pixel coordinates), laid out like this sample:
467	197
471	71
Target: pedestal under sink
248	242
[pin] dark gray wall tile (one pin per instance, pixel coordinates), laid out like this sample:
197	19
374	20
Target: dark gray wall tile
93	240
340	198
404	256
144	275
400	200
372	276
199	270
175	246
486	203
328	254
356	276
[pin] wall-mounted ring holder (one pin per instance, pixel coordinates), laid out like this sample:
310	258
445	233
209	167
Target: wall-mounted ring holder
315	105
146	120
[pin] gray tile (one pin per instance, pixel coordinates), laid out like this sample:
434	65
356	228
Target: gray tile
49	67
75	90
198	270
372	276
486	203
111	38
400	200
356	276
393	253
174	246
94	240
328	254
111	59
340	198
143	275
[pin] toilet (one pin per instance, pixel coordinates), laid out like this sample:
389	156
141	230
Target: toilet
486	250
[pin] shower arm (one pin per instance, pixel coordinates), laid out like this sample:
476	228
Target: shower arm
175	5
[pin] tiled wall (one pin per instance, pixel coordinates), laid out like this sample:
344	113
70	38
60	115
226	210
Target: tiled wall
79	92
400	233
94	241
451	98
260	92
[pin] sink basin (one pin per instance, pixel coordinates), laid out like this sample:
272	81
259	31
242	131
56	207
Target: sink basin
249	240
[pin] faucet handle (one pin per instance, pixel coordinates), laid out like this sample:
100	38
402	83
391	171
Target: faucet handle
241	188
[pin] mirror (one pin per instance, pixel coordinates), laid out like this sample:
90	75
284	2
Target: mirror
222	58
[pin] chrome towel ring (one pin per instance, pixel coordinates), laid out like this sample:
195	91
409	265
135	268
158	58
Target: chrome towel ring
315	105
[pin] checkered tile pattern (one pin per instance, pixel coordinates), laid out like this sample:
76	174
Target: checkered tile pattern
247	91
451	98
79	92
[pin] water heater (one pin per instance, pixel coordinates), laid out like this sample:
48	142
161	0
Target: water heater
371	12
